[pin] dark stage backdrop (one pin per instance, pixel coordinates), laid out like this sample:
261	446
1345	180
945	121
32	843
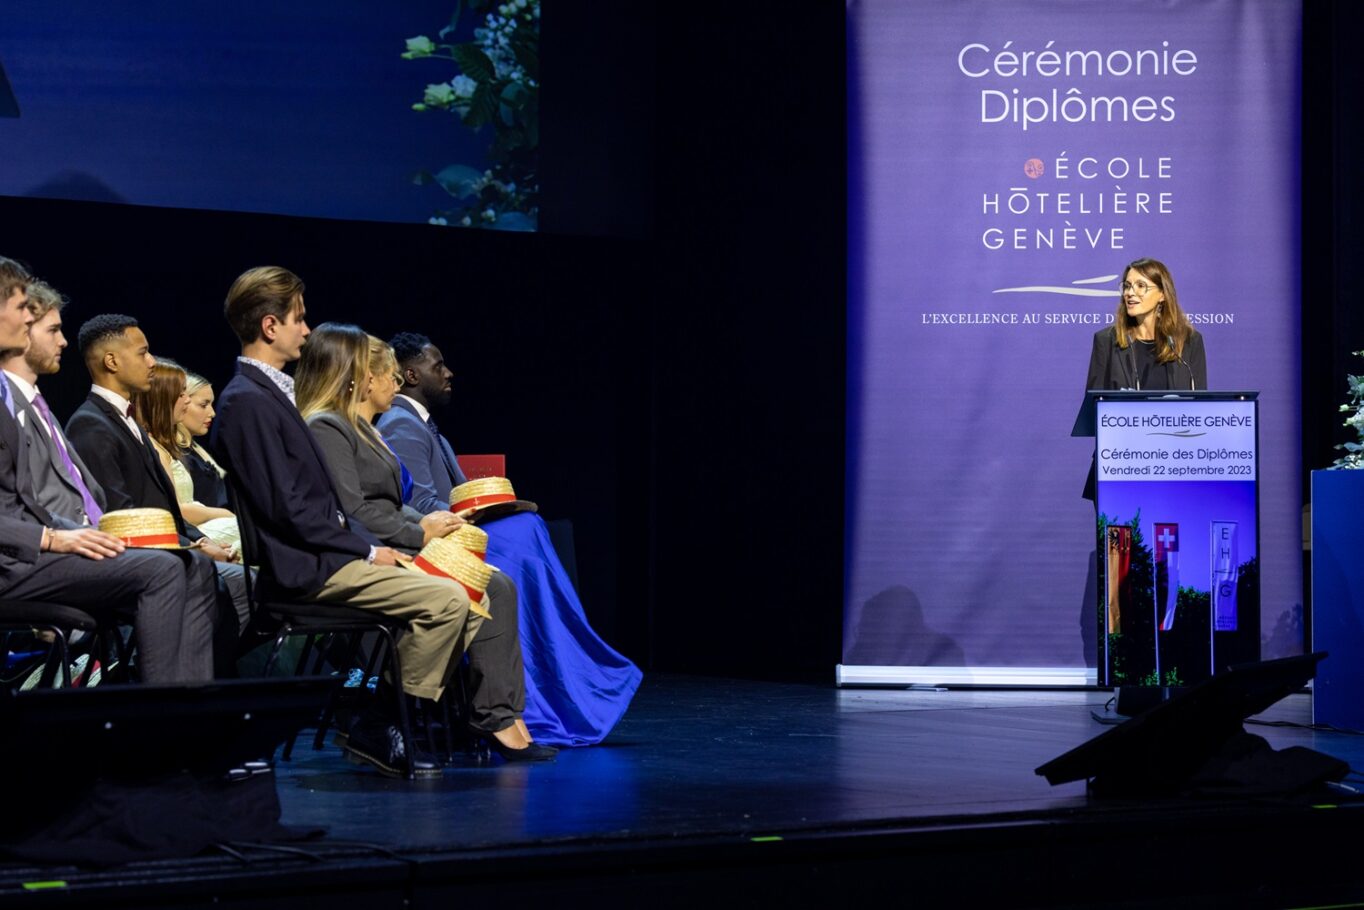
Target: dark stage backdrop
677	395
1012	157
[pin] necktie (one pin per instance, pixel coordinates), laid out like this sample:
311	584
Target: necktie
446	455
5	394
92	509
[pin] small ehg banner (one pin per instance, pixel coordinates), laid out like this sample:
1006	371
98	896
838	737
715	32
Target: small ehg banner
1225	574
1007	159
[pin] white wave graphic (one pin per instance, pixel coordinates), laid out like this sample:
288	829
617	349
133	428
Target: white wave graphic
1043	289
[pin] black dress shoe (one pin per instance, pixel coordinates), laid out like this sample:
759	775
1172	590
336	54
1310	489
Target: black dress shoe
532	752
381	745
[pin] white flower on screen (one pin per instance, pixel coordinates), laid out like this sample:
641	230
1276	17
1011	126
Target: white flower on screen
464	86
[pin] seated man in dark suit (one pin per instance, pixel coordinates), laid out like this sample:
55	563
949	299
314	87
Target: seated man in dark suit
119	454
312	550
62	483
46	557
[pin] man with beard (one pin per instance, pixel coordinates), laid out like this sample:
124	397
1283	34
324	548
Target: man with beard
62	483
411	430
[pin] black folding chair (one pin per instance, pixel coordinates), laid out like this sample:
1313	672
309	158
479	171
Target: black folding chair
59	622
316	620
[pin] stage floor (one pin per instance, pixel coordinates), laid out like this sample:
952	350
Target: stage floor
775	794
725	757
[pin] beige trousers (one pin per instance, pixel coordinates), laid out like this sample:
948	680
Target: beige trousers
436	610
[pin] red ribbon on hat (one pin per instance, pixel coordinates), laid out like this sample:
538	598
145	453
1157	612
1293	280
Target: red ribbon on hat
151	540
478	502
431	568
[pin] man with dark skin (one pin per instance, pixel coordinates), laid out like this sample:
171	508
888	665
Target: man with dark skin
411	429
119	454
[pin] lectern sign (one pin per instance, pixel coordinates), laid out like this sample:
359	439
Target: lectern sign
1177	440
1179	475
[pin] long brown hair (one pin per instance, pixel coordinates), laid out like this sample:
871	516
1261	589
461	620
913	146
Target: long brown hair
332	372
1172	326
154	409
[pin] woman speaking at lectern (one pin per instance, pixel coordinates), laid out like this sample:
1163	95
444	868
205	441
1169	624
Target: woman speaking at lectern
1151	344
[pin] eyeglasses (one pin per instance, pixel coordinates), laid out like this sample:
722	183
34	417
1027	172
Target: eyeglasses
1141	287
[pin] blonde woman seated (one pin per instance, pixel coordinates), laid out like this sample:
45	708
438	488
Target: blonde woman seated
339	375
160	410
210	479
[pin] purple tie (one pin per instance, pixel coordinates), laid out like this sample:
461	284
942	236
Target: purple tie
92	509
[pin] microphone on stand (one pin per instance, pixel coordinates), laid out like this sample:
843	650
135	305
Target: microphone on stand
1180	355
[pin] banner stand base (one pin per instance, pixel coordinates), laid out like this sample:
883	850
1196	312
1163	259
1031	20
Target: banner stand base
1134	700
984	677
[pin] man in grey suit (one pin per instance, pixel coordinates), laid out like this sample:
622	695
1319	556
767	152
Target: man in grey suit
62	483
46	557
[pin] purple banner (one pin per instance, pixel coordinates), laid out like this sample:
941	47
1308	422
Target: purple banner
1007	159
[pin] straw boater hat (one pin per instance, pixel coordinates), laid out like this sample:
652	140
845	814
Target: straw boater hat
446	558
473	539
151	528
489	497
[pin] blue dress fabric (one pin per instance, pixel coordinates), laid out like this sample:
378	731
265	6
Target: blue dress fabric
577	686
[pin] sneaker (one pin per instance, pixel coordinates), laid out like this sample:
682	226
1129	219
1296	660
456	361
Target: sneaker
381	745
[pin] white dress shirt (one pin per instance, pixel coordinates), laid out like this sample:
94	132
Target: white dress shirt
123	406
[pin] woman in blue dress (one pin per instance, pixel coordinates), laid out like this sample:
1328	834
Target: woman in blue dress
577	686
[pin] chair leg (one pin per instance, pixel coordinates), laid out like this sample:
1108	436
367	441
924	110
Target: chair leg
299	668
58	660
134	674
428	709
303	653
284	632
404	722
374	653
115	649
329	712
449	724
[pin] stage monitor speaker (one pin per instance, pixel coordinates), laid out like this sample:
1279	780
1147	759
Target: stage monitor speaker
1159	752
116	773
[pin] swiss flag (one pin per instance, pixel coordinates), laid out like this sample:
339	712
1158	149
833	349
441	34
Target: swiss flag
1167	554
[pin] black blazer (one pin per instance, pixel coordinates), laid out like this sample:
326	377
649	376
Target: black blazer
128	469
1110	367
265	447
